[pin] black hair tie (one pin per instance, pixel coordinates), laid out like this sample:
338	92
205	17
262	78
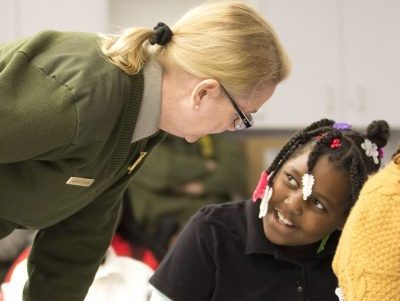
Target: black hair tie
162	34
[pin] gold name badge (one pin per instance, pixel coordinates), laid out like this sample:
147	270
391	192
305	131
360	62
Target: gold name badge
76	181
133	166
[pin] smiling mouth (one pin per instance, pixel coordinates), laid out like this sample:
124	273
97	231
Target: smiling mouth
282	220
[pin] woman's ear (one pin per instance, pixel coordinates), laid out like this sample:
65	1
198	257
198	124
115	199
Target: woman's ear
205	90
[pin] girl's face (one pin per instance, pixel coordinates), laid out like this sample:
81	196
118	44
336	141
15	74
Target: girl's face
291	221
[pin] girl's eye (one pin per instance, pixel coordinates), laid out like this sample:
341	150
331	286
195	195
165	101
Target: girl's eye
292	181
317	204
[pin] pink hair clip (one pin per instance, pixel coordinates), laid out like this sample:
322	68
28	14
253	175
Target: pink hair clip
261	186
263	192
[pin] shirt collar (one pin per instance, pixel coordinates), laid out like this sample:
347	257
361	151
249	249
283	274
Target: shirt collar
150	109
257	243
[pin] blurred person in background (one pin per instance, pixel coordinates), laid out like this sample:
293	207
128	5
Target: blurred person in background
179	178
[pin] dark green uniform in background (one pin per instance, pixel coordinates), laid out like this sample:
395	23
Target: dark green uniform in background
160	202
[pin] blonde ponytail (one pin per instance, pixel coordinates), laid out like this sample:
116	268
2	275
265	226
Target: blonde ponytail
128	51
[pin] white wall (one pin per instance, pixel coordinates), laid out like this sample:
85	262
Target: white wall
345	56
8	20
20	18
128	13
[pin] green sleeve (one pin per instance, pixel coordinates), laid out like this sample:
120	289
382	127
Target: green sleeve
37	114
66	256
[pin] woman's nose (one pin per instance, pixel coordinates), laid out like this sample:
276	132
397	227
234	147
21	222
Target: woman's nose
294	203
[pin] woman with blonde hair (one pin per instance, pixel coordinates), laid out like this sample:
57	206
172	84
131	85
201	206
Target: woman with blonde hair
80	112
213	49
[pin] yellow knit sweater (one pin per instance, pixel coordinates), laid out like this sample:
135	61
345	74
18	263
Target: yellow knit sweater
367	260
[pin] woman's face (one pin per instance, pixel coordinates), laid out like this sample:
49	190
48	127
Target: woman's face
291	221
216	114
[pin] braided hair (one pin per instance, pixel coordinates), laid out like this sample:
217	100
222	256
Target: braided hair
341	145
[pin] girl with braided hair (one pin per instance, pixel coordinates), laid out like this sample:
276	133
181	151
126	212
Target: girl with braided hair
282	248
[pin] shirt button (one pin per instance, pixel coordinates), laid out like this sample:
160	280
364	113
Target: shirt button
299	289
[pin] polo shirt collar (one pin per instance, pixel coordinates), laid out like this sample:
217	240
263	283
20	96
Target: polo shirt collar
257	243
150	109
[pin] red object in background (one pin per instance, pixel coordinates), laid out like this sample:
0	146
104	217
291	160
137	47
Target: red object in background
124	248
20	257
120	246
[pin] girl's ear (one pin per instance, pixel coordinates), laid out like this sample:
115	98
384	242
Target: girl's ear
205	90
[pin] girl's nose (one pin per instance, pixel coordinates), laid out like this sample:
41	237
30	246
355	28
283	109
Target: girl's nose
294	203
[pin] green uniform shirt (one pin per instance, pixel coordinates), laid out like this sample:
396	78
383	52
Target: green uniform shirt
66	114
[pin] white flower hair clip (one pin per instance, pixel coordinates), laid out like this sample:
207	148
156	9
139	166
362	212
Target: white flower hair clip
371	150
265	201
308	183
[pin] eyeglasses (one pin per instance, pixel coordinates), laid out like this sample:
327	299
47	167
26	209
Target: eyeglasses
244	120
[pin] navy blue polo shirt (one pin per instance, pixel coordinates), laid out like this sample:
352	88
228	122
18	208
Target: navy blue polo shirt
223	254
